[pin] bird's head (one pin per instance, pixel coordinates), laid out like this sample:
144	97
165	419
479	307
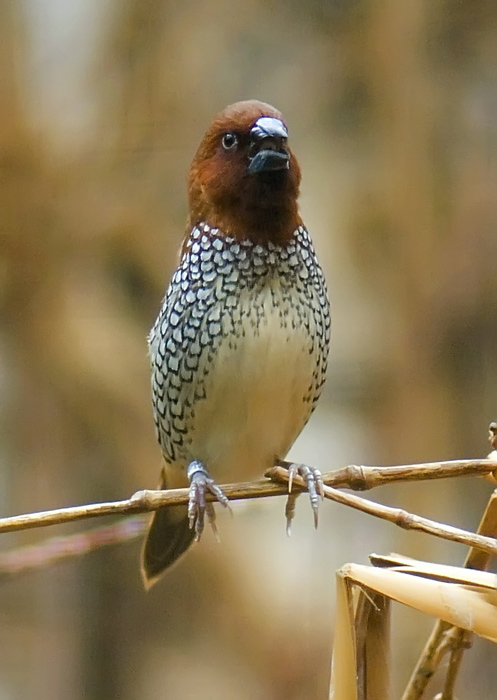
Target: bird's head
244	179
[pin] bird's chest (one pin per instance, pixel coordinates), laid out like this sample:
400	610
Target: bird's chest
258	384
239	353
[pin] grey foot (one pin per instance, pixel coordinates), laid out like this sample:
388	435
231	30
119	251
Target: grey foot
314	482
200	484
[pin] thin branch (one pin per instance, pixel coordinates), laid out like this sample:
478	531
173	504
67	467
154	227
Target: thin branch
459	642
361	478
54	549
358	478
140	502
397	516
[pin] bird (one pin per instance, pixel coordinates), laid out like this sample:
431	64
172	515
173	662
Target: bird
239	350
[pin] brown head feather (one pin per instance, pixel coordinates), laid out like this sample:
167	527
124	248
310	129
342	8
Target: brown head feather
261	207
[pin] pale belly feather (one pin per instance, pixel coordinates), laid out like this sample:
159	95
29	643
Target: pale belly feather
255	406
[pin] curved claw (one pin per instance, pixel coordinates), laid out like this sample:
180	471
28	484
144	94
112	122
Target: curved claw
290	511
200	484
211	517
314	482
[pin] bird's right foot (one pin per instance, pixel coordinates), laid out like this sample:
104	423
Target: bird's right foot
314	482
198	507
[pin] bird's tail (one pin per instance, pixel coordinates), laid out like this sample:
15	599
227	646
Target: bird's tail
169	535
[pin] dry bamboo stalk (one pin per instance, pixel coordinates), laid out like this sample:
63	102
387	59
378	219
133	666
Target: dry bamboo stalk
343	682
372	625
438	572
473	607
458	595
440	640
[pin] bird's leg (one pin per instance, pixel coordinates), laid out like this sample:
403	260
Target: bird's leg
314	482
200	484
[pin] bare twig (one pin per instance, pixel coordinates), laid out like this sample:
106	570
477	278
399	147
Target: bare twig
140	502
361	478
55	549
397	516
358	478
354	477
460	640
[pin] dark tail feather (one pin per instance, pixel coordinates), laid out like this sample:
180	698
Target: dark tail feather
169	535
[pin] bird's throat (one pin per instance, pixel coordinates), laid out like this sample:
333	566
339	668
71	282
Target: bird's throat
258	224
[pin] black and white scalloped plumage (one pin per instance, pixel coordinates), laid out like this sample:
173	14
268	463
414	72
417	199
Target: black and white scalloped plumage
239	352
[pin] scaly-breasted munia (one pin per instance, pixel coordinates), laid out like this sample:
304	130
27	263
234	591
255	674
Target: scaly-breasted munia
240	347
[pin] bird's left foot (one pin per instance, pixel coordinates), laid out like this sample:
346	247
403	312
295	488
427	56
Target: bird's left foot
314	482
200	484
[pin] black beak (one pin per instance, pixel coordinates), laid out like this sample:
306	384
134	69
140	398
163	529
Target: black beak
267	151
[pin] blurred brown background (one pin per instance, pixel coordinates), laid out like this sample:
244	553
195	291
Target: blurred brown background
392	107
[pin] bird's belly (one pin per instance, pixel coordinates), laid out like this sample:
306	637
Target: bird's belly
258	396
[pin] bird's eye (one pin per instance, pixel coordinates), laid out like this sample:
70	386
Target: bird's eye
229	141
